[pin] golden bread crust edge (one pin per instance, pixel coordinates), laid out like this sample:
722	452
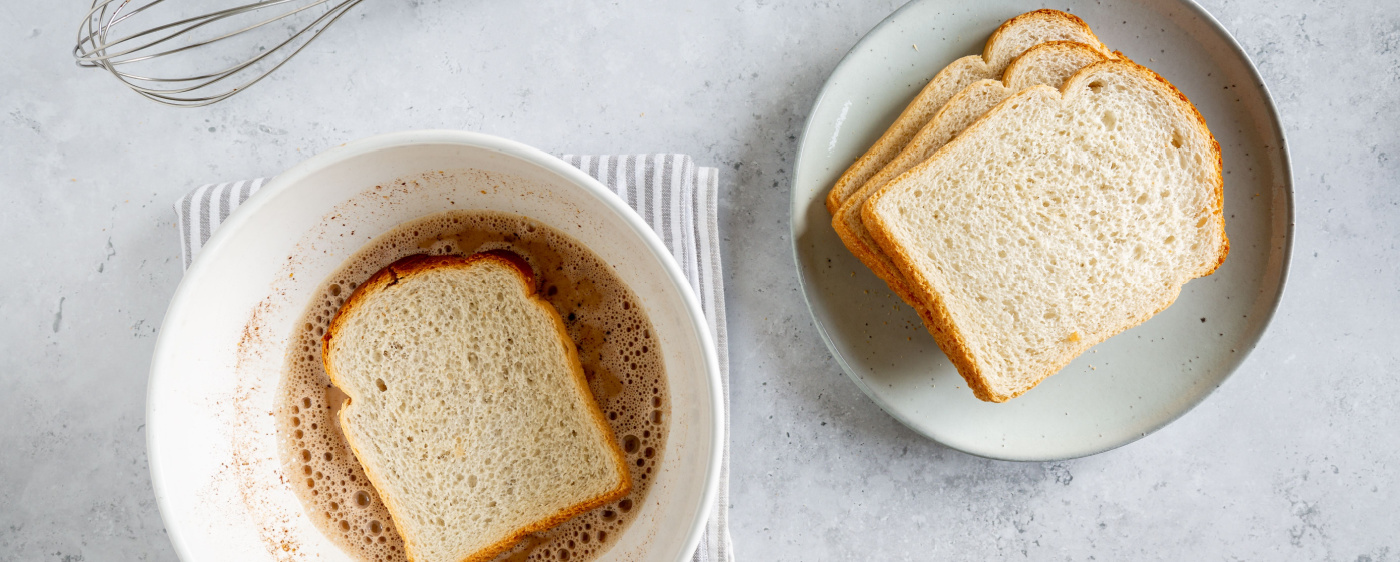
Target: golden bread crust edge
896	282
420	263
894	137
947	336
1044	14
907	124
871	256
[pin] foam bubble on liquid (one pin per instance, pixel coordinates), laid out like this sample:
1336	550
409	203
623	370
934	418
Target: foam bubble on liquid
620	358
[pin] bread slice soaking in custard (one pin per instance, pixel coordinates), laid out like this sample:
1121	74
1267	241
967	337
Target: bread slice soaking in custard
468	407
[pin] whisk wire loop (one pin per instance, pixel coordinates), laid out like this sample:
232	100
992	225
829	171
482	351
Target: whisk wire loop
133	58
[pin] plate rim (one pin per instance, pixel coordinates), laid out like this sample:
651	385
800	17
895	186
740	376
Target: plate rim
1285	164
180	300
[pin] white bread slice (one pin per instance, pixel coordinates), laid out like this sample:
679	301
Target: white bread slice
468	407
1047	63
1012	38
1059	219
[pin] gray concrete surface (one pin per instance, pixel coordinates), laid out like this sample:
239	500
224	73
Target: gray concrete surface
1294	458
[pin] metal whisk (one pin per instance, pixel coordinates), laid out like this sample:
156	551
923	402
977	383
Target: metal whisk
165	53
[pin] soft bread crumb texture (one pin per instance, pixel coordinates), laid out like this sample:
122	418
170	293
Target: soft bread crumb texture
1056	221
468	407
1047	64
1012	38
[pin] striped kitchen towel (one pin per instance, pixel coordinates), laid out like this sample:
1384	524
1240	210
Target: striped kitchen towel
677	199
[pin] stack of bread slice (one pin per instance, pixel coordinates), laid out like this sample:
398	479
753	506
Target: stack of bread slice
1035	200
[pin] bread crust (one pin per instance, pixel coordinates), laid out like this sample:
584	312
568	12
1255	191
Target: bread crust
850	209
409	266
922	107
947	335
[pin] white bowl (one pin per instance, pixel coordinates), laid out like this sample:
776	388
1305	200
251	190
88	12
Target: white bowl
211	438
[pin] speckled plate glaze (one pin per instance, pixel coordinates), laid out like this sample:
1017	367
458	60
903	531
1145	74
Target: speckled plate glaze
211	435
1123	389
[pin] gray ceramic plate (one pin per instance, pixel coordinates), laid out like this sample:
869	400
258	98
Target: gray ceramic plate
1123	389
